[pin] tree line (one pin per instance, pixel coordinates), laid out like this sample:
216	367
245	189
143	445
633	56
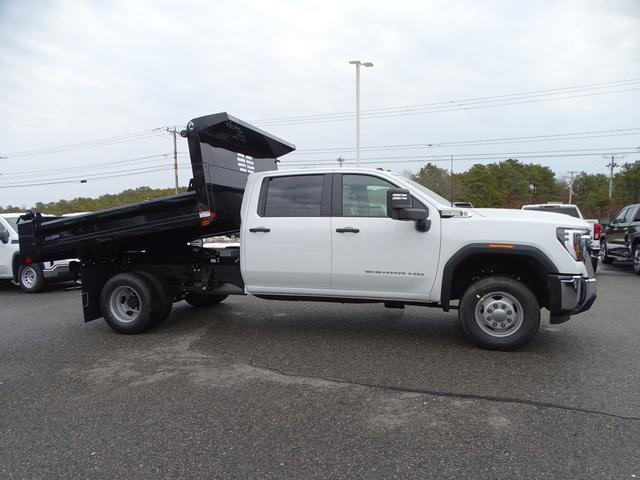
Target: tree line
511	184
85	204
506	184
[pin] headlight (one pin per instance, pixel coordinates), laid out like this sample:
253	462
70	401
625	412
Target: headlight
574	241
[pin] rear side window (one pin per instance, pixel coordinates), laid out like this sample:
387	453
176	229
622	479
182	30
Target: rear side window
295	196
637	217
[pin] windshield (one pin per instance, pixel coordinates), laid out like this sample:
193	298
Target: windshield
428	192
563	209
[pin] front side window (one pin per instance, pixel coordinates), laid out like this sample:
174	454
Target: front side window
628	218
364	196
294	196
620	217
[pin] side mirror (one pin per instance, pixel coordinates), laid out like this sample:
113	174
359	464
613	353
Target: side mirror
4	236
399	207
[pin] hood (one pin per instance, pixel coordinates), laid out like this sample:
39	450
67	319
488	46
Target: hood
547	218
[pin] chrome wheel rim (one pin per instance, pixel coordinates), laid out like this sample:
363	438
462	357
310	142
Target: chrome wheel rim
125	304
499	314
29	278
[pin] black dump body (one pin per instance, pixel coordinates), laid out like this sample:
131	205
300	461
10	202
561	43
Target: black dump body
223	151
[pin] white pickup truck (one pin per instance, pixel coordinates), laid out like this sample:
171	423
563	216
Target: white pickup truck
344	235
33	277
595	229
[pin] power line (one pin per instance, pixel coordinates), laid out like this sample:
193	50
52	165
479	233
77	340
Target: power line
96	143
441	158
78	180
489	141
611	84
452	106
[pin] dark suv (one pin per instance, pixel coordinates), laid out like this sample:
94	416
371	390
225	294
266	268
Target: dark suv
621	238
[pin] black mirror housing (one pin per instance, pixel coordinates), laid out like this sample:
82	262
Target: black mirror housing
4	237
400	207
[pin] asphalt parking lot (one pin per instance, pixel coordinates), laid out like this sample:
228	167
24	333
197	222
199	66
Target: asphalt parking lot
257	389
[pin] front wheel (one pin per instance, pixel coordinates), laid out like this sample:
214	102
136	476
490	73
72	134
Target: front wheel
499	313
636	259
606	259
31	278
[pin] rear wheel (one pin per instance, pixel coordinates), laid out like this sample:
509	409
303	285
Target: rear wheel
126	303
606	259
499	313
203	301
162	300
31	278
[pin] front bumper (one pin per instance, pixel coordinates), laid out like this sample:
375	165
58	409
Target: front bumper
569	295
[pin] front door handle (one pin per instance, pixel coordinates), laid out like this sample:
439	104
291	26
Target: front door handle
260	229
347	230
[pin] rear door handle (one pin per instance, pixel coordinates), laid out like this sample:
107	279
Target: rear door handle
347	230
260	229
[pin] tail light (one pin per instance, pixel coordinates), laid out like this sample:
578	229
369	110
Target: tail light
597	229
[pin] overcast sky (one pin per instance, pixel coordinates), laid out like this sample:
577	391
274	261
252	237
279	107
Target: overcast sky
73	71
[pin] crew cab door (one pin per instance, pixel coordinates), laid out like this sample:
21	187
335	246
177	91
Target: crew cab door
286	236
376	256
616	234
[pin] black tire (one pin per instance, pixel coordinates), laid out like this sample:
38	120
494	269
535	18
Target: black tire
31	278
162	301
594	264
606	259
126	303
203	301
636	258
517	311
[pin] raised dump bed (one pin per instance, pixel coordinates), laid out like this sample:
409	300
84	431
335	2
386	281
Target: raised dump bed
223	151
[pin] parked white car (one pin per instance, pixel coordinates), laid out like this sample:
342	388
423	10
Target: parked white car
32	277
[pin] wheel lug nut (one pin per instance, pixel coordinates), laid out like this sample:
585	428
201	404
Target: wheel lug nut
489	310
509	320
509	312
495	305
503	306
495	324
502	325
488	318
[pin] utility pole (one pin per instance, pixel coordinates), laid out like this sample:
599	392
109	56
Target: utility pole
175	154
612	164
358	64
340	161
451	180
571	174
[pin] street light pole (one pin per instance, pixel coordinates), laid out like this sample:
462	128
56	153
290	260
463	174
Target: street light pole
358	64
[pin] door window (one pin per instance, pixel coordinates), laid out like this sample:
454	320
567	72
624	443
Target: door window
364	196
637	217
293	196
620	217
628	218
